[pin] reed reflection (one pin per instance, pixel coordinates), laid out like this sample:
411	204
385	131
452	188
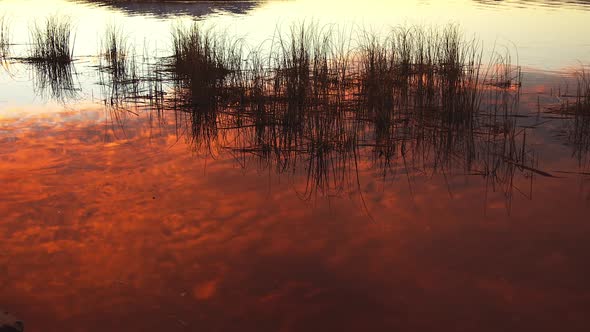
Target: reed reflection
51	58
576	106
54	80
118	74
133	226
416	103
130	84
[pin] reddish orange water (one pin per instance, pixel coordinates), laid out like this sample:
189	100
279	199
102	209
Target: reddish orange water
140	234
108	226
111	229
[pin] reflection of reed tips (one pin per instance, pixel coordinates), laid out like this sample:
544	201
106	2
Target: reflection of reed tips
412	100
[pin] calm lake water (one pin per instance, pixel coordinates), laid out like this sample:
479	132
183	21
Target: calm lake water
120	211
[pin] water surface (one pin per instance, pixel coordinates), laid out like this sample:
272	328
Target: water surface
121	213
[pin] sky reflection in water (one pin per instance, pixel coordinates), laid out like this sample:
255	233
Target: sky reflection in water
111	227
120	221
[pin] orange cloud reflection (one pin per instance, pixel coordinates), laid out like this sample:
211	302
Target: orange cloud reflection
113	234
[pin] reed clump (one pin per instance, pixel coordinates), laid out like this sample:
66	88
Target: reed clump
309	102
116	52
583	93
51	57
198	53
4	37
293	71
204	62
118	68
420	83
579	127
426	76
53	41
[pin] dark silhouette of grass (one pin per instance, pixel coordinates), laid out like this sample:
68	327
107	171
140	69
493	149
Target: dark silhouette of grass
415	101
52	42
116	52
578	130
130	84
119	72
202	60
51	58
582	106
4	38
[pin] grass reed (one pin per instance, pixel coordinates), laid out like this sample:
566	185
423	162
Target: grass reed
118	68
52	41
583	93
116	51
579	127
202	61
4	37
51	57
310	100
